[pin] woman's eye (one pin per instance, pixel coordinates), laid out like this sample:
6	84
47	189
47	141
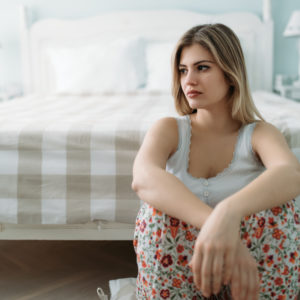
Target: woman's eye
202	68
182	71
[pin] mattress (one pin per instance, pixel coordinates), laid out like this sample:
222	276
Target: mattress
281	112
68	160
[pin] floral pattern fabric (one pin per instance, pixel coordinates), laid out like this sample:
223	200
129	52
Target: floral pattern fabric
164	246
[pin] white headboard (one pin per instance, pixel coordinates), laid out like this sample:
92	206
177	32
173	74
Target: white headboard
167	25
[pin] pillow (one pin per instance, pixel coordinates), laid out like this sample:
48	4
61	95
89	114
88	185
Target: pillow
158	61
117	66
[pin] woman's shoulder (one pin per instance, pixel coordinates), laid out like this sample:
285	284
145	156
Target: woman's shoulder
263	128
167	122
267	134
170	124
166	131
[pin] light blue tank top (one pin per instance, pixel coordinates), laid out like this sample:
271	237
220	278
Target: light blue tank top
243	168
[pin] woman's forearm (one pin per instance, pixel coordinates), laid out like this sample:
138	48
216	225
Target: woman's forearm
168	194
273	187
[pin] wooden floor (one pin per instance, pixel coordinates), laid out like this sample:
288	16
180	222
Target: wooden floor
62	270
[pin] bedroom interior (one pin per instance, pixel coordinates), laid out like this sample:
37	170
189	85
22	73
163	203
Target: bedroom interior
67	144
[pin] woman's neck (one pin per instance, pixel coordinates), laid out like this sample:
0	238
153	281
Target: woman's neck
215	120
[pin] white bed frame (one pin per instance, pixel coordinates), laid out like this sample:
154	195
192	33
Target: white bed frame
37	77
36	80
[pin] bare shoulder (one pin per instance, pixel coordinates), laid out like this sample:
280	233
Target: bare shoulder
270	145
163	135
166	123
265	128
266	132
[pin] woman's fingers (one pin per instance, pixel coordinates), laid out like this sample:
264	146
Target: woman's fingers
245	279
228	266
206	272
195	265
243	282
253	283
217	272
235	282
207	267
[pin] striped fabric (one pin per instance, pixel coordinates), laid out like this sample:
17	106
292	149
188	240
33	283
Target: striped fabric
68	160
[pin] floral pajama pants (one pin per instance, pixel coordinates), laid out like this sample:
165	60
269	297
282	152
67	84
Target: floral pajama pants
164	247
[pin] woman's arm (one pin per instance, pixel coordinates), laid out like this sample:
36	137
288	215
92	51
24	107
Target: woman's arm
278	184
162	190
218	241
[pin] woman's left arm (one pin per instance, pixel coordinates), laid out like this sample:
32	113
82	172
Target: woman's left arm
218	241
279	183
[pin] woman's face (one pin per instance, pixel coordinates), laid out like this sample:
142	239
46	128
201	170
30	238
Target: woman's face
202	80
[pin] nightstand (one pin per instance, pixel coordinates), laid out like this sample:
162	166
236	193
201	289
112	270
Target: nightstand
291	91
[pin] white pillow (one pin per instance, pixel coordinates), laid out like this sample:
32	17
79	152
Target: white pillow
158	61
117	66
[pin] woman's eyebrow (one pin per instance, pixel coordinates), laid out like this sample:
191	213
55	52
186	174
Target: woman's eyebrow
198	62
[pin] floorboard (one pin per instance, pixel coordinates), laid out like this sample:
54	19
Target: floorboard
62	269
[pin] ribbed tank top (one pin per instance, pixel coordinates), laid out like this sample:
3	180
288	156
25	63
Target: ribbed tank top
243	168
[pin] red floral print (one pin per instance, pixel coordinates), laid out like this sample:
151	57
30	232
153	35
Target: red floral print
189	236
182	260
261	222
180	248
176	283
276	210
293	256
166	261
296	218
165	294
165	248
272	223
277	233
143	226
278	281
259	232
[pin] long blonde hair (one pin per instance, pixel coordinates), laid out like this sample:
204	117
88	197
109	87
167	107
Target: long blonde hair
226	49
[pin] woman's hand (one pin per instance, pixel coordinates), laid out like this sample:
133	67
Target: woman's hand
215	248
244	281
220	258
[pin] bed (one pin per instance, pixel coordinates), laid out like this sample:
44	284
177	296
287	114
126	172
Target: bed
67	146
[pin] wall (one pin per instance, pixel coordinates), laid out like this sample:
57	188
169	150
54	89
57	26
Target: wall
286	49
286	55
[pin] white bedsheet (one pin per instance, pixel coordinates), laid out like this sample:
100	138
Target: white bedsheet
281	112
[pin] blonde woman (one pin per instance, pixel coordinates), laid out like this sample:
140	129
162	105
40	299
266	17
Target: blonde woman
218	184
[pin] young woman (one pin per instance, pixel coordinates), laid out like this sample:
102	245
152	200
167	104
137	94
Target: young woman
218	184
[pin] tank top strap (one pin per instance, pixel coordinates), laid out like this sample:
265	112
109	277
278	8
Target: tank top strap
244	145
178	160
183	123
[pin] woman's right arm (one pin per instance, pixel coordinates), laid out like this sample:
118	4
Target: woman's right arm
162	190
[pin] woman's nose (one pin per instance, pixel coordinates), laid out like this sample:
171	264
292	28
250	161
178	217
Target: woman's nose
190	78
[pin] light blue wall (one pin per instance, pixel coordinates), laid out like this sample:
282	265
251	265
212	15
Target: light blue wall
285	59
286	49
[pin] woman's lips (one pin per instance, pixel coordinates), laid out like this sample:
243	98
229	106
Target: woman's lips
193	94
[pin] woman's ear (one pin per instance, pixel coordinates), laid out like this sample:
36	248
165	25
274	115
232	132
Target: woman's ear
229	80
